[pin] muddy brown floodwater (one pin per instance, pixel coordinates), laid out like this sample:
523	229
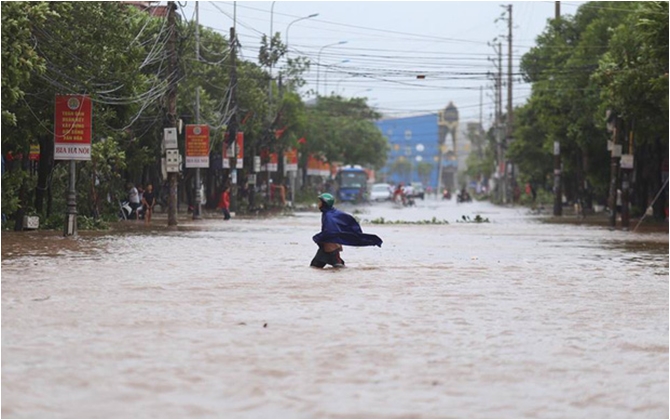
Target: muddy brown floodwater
512	318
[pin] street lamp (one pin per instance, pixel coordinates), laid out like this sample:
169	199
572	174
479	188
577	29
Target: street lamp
272	11
319	62
325	79
289	27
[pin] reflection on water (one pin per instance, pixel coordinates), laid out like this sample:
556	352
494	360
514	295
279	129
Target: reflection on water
513	318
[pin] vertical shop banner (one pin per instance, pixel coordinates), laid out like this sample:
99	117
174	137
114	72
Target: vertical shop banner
317	166
291	159
72	122
197	146
228	151
34	152
270	161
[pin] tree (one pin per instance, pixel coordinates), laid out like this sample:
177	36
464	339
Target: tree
401	167
424	170
343	131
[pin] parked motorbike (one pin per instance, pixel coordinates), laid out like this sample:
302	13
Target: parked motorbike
446	195
126	212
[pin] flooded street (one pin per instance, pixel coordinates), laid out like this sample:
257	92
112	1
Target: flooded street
512	318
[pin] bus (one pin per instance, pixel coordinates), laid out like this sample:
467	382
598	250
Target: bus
352	183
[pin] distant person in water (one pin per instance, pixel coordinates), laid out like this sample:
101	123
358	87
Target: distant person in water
337	228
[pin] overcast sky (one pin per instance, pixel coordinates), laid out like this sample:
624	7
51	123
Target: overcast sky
389	43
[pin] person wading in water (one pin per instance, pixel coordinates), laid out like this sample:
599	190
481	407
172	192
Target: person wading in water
337	228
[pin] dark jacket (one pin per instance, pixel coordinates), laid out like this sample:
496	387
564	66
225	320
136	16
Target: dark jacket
341	228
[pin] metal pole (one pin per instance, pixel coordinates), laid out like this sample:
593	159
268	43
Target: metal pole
71	215
318	69
289	27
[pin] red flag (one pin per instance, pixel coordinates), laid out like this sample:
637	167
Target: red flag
302	140
279	132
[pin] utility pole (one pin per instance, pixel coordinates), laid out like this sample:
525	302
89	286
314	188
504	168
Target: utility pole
233	126
197	210
172	105
613	122
558	195
499	140
626	169
510	106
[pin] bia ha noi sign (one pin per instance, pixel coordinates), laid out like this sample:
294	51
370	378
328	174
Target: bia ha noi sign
72	127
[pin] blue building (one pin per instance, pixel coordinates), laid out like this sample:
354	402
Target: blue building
415	142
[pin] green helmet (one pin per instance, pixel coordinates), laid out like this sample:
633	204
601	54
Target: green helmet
327	199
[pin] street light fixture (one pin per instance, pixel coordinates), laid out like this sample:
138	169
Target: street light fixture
289	27
319	62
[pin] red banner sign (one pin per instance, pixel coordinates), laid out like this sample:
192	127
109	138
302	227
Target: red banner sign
73	127
34	152
316	166
197	146
291	158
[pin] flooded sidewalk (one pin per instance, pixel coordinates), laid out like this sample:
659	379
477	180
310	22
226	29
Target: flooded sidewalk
510	318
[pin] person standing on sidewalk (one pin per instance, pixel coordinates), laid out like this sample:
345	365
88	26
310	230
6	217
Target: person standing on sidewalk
337	228
148	201
224	203
134	200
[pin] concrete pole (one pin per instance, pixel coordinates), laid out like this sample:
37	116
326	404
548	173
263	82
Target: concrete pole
558	195
172	105
197	211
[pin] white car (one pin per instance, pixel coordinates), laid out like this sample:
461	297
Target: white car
380	192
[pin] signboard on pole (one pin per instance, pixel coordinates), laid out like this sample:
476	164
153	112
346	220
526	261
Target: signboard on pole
236	148
72	122
34	152
291	156
627	161
272	163
197	146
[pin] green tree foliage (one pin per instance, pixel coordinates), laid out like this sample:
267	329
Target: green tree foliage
19	57
119	56
424	169
343	131
610	55
401	167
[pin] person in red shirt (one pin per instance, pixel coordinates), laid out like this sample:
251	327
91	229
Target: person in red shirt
224	203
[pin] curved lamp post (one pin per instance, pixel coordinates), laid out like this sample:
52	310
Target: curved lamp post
319	62
289	27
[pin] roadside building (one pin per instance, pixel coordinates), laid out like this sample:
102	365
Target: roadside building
415	143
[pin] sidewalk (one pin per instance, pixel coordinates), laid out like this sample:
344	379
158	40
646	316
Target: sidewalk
602	219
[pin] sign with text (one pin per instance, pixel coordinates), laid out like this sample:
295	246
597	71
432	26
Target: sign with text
72	127
234	149
291	159
271	161
34	152
316	166
197	146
